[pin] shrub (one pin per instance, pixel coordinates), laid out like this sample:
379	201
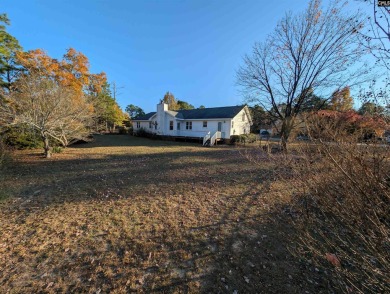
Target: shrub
22	138
123	130
57	149
234	139
250	138
342	200
142	133
243	139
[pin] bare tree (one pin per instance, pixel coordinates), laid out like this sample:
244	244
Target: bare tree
312	50
375	37
376	34
115	90
56	112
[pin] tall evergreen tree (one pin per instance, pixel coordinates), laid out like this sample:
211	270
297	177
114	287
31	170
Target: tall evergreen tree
9	45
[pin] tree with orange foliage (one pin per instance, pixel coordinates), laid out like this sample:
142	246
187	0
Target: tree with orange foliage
96	83
56	112
72	71
53	96
59	98
330	124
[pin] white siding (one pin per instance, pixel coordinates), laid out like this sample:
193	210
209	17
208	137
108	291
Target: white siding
163	119
239	126
143	125
199	131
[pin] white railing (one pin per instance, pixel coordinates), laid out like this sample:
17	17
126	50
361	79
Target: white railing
205	138
213	139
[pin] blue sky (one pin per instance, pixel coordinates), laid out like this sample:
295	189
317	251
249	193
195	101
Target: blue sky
190	48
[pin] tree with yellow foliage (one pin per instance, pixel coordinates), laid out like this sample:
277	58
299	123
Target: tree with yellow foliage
108	114
170	99
341	100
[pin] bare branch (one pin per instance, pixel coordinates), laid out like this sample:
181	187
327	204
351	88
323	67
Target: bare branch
312	50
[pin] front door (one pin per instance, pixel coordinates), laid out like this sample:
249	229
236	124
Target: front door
219	126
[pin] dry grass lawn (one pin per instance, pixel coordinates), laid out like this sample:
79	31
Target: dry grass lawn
126	214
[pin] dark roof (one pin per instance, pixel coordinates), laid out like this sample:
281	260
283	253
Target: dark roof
204	113
144	117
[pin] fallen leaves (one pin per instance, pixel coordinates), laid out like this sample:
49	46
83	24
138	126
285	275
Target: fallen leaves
189	220
333	259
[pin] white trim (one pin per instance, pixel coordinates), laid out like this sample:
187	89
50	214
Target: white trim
205	119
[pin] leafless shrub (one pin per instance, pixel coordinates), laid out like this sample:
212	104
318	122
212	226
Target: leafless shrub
339	191
343	205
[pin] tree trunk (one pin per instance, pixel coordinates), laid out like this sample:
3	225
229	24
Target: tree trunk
46	145
285	132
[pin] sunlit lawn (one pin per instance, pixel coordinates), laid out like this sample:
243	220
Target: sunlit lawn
127	214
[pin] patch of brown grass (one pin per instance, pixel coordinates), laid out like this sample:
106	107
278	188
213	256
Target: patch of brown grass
344	196
127	214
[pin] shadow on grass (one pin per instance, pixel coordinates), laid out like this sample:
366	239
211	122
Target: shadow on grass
178	222
243	252
118	176
129	141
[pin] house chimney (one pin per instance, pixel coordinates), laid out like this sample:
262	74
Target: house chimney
161	109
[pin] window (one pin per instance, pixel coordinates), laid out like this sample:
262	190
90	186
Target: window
150	125
243	116
171	125
178	126
205	124
138	124
155	125
189	125
232	124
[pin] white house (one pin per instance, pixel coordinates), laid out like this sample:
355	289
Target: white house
209	124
